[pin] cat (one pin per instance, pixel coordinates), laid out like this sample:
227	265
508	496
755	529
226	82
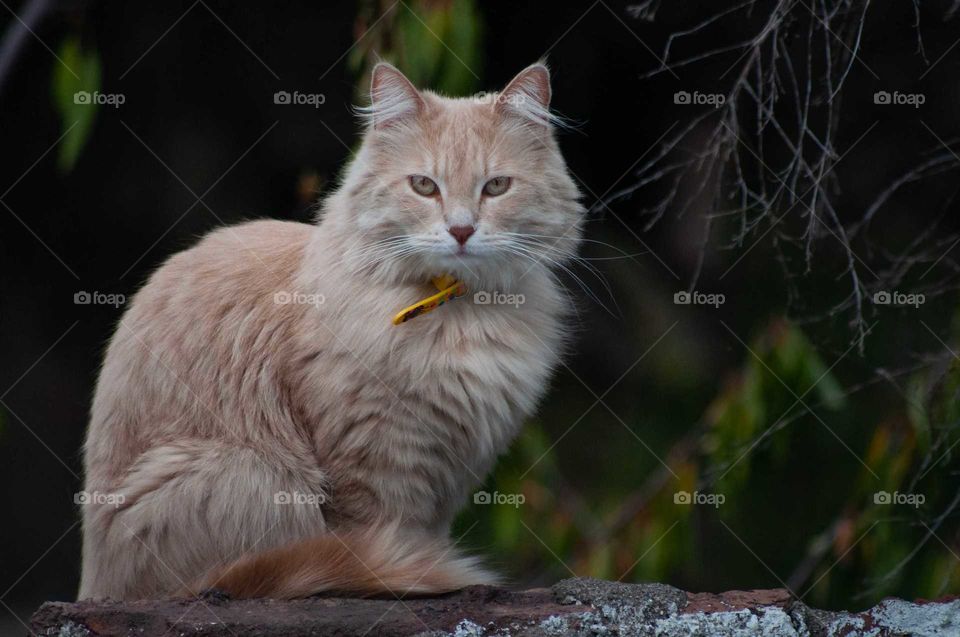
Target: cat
262	427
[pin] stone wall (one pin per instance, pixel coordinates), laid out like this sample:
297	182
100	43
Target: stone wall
572	607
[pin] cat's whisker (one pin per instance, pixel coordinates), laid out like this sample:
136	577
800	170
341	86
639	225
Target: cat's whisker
539	258
384	256
631	256
575	239
380	258
365	255
535	259
363	249
528	243
588	266
522	250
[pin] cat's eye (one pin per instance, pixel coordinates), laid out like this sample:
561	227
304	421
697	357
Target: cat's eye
496	186
423	185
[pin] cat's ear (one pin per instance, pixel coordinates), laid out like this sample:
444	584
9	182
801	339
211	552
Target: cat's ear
393	98
528	95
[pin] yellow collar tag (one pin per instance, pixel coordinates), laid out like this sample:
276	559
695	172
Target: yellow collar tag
449	289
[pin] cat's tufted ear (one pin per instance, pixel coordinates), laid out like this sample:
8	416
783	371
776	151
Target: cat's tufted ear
393	97
528	95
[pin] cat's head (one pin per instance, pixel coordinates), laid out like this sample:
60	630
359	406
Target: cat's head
475	187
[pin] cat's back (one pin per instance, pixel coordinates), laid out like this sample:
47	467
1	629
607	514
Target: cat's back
251	255
232	275
202	336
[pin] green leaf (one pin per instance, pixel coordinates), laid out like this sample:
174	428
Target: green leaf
74	83
743	412
421	50
439	45
461	65
506	526
917	413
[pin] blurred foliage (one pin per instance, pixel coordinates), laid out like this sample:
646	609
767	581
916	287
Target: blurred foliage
75	81
643	533
782	370
836	545
436	43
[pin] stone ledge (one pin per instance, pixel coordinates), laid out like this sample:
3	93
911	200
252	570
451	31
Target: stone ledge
578	606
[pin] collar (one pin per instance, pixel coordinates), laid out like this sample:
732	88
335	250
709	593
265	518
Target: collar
448	289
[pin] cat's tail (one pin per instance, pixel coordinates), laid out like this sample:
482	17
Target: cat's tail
379	562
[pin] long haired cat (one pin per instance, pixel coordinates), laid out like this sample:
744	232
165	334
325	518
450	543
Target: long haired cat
262	426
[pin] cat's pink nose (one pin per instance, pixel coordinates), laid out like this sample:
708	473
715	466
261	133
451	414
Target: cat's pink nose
462	233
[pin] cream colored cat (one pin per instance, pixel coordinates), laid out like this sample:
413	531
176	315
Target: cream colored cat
262	426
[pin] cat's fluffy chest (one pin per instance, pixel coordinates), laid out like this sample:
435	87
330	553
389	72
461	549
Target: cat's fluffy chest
431	403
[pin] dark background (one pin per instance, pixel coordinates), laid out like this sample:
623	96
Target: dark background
199	118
